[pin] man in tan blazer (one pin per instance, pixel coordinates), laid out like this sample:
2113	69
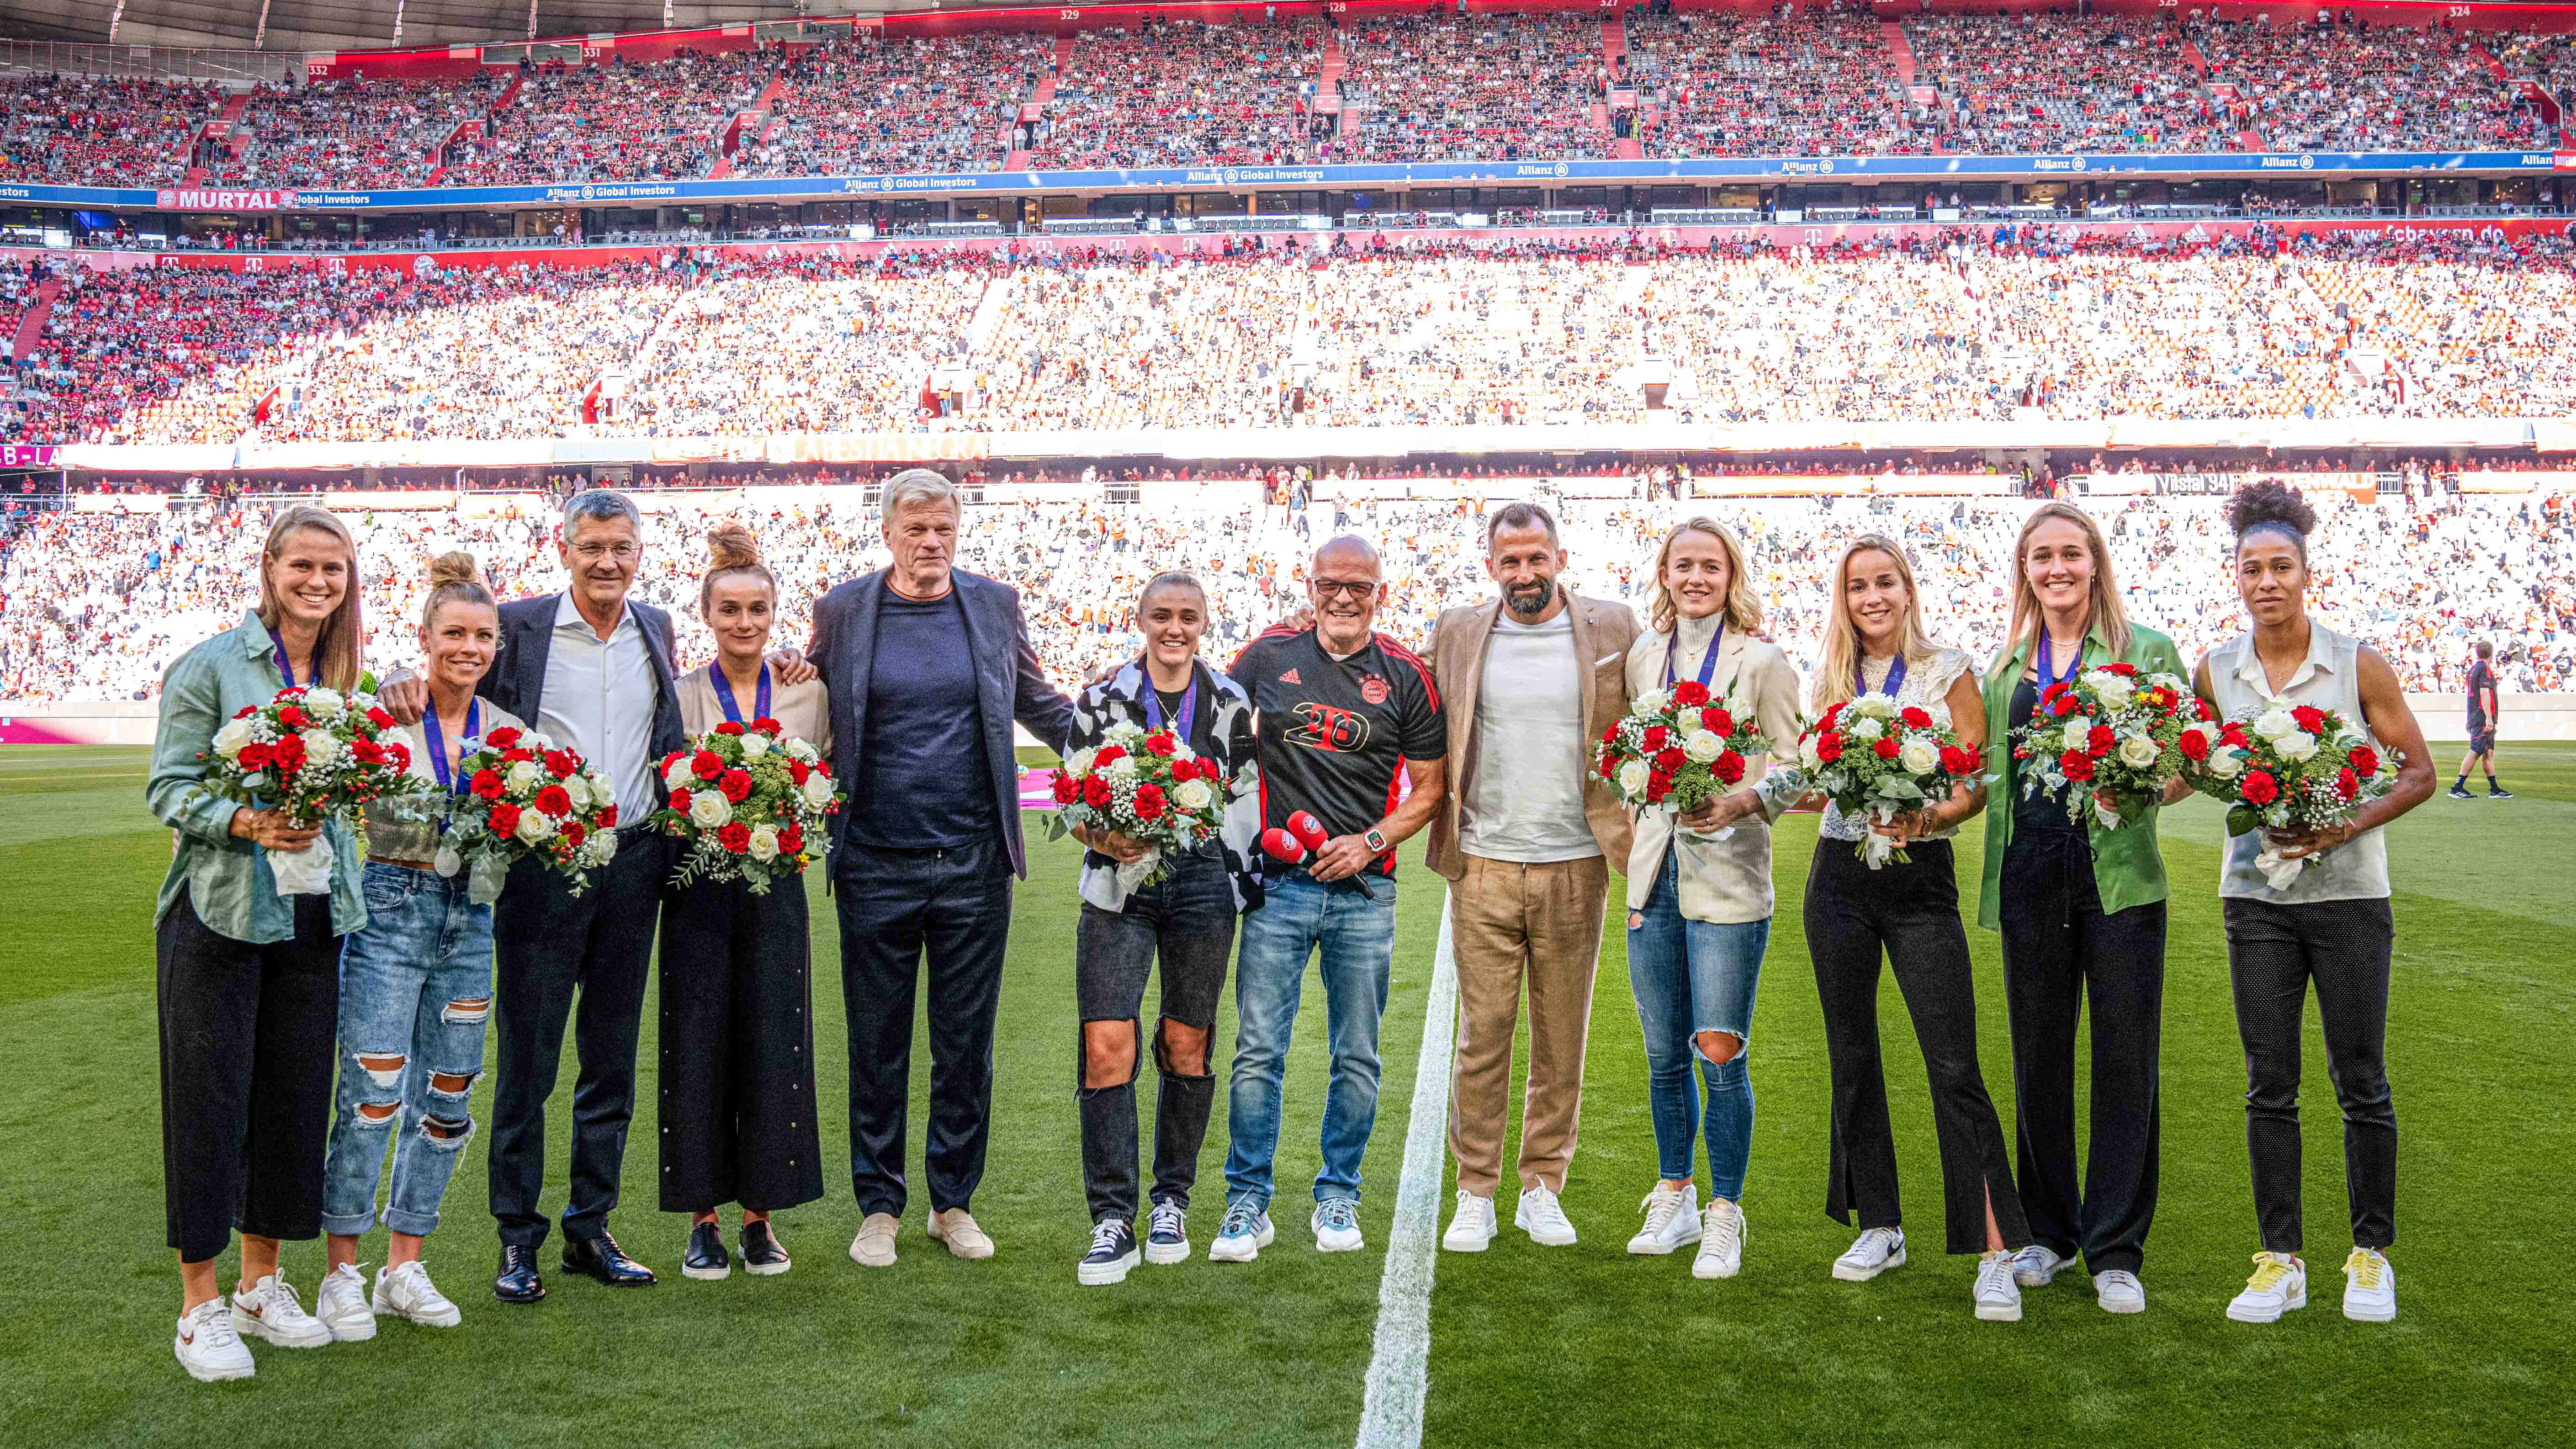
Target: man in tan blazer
1527	840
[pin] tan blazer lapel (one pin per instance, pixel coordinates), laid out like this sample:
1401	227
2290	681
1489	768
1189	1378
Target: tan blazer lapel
1587	641
1730	662
1467	666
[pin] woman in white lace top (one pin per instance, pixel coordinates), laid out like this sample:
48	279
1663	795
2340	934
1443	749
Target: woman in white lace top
1876	644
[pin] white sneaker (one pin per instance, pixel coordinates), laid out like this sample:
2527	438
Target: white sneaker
2119	1291
1874	1252
1542	1217
270	1311
340	1305
1241	1234
2369	1287
2035	1265
1337	1225
1721	1242
407	1293
874	1246
2279	1284
1998	1296
1672	1220
208	1346
1471	1227
958	1229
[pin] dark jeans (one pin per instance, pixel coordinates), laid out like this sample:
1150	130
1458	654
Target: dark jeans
247	1037
2062	953
736	1100
896	906
1912	912
2273	952
552	946
1188	919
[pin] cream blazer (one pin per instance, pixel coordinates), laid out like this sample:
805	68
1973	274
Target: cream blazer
1725	881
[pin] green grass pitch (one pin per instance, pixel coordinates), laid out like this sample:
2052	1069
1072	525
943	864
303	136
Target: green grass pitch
1528	1345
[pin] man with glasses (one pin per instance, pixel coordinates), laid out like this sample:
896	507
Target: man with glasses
1345	715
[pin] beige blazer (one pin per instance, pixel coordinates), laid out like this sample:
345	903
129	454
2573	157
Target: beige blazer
1724	882
1602	631
803	710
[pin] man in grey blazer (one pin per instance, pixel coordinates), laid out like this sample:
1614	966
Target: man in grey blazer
927	667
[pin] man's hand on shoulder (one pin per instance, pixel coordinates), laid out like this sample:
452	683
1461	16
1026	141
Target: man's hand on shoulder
404	696
791	666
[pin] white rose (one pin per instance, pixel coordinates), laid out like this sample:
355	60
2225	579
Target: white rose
1919	756
2226	762
1181	749
800	750
522	776
323	703
2111	689
230	739
1649	704
708	810
1632	778
599	847
577	790
1807	755
2078	733
1878	706
1122	768
1193	795
679	776
1866	728
2276	722
764	843
320	748
535	827
817	789
1080	764
2137	752
754	746
2296	745
1122	731
1702	746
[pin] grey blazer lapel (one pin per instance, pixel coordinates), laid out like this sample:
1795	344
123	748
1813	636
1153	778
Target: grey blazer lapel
536	639
860	646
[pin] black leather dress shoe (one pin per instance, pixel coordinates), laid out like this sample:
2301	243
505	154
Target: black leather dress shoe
518	1281
761	1253
601	1258
706	1257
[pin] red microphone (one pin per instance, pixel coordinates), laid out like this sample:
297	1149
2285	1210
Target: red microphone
1308	830
1281	846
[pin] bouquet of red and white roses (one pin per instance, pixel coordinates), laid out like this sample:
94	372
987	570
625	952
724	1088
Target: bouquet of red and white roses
2288	768
315	753
2113	736
1148	786
525	795
1876	760
1676	749
751	804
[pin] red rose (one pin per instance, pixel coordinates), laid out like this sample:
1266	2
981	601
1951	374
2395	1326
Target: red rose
2310	718
486	784
706	764
1105	754
1149	802
2098	741
1690	694
2125	671
797	770
1829	747
2075	765
735	837
679	802
1728	767
2194	746
2232	734
1914	718
1718	722
729	728
1609	736
608	818
287	754
1655	738
1658	785
2050	694
2065	705
255	757
1670	761
504	819
502	738
572	835
1066	792
2347	784
366	751
673	758
791	840
293	718
1095	792
246	711
2365	760
1885	749
554	802
735	784
560	763
769	727
1832	713
1956	760
379	718
2259	789
2200	707
1609	766
1161	743
517	756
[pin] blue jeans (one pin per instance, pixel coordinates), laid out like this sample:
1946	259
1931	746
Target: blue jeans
415	991
1357	939
1690	977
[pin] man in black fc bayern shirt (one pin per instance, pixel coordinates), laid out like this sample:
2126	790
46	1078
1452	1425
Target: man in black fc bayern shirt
1345	714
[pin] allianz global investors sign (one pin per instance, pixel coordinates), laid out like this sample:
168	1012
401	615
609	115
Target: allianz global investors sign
224	201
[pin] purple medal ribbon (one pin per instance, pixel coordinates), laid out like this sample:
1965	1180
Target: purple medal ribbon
287	669
2047	672
1707	664
724	693
1895	677
438	764
1189	707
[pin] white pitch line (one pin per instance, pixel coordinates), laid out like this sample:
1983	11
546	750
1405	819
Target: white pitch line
1399	1365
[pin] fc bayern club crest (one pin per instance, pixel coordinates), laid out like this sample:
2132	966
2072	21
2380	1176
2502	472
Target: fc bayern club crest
1373	689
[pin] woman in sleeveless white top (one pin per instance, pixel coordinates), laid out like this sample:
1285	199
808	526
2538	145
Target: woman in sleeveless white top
1926	683
2331	925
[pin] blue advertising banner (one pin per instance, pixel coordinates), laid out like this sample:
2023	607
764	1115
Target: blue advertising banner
1427	173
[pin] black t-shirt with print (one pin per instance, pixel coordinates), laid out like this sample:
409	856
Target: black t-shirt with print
1335	732
2481	679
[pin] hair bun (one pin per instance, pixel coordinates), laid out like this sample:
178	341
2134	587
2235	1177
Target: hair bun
731	546
457	567
2269	503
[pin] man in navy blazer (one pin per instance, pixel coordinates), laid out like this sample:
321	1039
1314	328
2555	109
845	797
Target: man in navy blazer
927	667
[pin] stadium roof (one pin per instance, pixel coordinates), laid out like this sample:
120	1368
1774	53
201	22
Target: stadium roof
299	25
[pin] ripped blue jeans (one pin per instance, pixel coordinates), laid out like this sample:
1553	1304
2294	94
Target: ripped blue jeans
1690	977
415	995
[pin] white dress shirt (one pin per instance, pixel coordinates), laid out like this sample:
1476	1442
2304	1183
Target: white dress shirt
599	697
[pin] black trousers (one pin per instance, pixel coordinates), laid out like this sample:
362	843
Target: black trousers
895	908
248	1039
2273	952
2061	954
737	1050
585	958
1187	920
1912	913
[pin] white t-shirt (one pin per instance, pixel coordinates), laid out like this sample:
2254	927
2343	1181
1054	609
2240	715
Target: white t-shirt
1524	798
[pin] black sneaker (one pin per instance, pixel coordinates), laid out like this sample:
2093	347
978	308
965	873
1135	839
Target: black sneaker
2498	792
761	1254
2461	792
706	1256
1167	1234
1113	1252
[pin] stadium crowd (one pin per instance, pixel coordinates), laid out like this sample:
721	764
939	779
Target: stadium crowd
1499	87
83	130
1187	94
2066	84
1800	84
2337	87
870	107
356	133
656	121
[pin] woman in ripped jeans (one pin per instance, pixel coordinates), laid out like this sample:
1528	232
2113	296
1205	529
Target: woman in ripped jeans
415	992
1186	919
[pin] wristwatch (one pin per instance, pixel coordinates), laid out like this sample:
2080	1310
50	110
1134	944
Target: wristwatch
1375	839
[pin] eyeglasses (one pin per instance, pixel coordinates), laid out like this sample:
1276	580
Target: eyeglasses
1347	588
594	552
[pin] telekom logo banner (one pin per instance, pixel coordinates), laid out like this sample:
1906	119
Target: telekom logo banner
193	200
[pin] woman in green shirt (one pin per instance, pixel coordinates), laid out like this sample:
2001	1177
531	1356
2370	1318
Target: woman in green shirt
2082	912
249	980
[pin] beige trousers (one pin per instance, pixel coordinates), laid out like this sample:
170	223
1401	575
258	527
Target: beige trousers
1512	926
